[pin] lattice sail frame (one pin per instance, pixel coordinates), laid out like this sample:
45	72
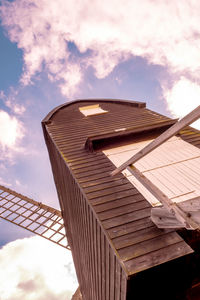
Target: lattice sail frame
34	216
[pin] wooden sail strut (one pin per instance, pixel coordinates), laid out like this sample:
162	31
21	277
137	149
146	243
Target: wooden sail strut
173	130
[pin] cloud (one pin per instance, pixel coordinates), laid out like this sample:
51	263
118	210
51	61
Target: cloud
11	132
10	101
183	97
104	33
36	269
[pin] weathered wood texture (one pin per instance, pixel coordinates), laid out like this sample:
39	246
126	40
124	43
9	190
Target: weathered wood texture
98	269
107	220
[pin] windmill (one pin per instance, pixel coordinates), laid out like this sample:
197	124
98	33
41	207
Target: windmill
114	243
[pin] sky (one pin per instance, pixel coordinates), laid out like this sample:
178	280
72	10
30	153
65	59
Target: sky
52	52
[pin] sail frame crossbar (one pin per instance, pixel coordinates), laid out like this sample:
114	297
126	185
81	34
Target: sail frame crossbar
34	216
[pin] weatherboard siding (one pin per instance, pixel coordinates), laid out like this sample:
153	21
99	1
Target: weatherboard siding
98	270
106	218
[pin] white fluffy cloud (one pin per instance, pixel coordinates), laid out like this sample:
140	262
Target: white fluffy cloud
36	269
12	129
11	132
164	32
183	98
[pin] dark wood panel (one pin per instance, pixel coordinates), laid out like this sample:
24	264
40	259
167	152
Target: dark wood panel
123	286
109	191
107	293
103	266
114	212
130	227
157	257
138	236
112	274
99	186
99	262
118	271
112	197
91	182
119	203
102	170
92	167
126	218
149	246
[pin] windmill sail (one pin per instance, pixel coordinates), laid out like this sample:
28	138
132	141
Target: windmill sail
172	215
34	216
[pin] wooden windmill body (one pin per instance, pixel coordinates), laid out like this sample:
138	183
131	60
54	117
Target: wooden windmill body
118	251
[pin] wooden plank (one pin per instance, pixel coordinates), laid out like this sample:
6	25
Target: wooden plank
103	266
148	246
164	219
99	261
90	168
96	279
123	286
118	203
94	172
173	130
91	182
105	185
157	257
112	274
107	271
115	196
130	227
114	212
138	237
109	191
94	177
126	218
117	280
191	205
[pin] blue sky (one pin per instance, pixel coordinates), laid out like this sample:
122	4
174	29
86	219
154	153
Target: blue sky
52	52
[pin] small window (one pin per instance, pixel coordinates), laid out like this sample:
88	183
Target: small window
92	110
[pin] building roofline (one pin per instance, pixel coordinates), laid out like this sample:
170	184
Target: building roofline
107	100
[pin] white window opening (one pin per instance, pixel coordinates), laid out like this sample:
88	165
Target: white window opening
92	110
174	167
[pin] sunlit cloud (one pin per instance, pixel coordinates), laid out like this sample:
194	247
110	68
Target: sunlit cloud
183	97
36	269
11	133
165	33
12	129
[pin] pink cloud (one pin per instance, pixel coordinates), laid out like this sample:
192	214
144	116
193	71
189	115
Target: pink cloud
165	33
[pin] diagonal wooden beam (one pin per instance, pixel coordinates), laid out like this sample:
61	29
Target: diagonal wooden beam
173	130
171	207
